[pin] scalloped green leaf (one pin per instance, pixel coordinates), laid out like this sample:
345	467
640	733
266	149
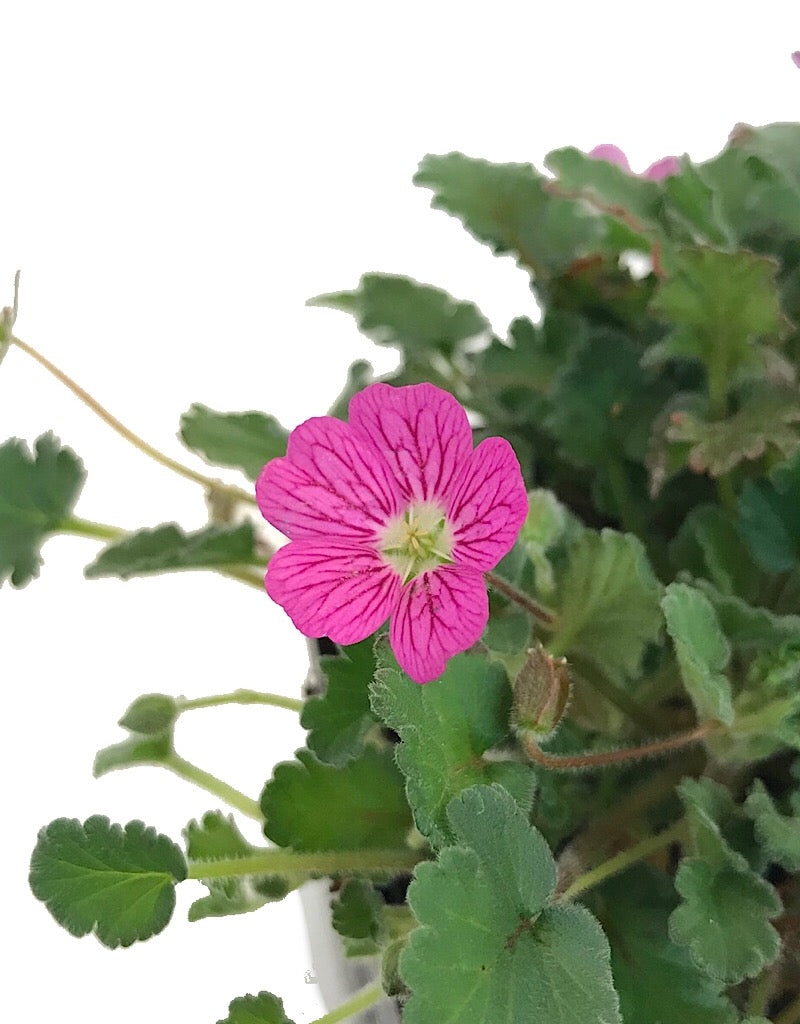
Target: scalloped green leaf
779	833
446	729
613	189
240	440
167	548
309	805
491	946
358	916
216	836
37	493
118	883
359	376
609	603
748	626
339	720
265	1008
702	650
398	311
508	207
769	517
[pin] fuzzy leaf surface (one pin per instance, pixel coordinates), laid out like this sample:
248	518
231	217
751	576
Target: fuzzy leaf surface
37	492
605	184
702	651
215	837
609	603
340	719
309	805
358	917
445	729
769	517
167	548
779	833
490	946
241	440
265	1008
97	877
398	311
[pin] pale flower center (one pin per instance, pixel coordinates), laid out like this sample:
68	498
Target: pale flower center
417	541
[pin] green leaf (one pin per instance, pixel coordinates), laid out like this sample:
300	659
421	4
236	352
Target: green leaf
358	917
544	526
746	626
339	720
689	200
216	837
656	980
508	207
710	545
726	907
37	493
135	750
768	423
241	440
167	548
719	304
702	651
151	714
769	517
605	184
779	833
490	947
309	805
265	1008
97	877
445	729
609	603
360	375
398	311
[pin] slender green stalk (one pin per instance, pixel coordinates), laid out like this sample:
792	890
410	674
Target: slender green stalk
191	773
622	861
791	1014
279	861
242	697
567	762
532	606
177	467
760	990
85	528
365	997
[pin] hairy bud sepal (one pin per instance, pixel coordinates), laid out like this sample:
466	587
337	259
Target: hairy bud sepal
541	694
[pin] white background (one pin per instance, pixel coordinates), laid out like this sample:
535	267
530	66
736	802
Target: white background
177	179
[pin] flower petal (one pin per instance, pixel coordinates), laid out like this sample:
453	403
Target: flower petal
796	58
613	154
422	431
332	589
439	614
488	505
331	483
663	168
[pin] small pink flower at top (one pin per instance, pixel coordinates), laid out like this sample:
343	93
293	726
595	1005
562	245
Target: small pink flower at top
661	169
796	57
392	514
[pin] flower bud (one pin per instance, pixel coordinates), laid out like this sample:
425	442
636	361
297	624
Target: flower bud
541	693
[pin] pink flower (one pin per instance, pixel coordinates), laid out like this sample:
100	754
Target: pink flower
392	514
796	57
655	172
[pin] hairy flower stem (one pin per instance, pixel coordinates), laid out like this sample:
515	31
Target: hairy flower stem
365	997
278	861
538	611
241	697
199	478
622	861
592	760
191	773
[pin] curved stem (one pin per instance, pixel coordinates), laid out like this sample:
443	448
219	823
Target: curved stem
622	861
210	783
538	611
600	760
365	997
279	861
790	1015
177	467
242	697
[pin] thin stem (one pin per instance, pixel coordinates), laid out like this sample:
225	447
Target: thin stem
791	1014
242	697
594	760
279	861
85	528
538	611
365	997
191	773
622	861
760	990
177	467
